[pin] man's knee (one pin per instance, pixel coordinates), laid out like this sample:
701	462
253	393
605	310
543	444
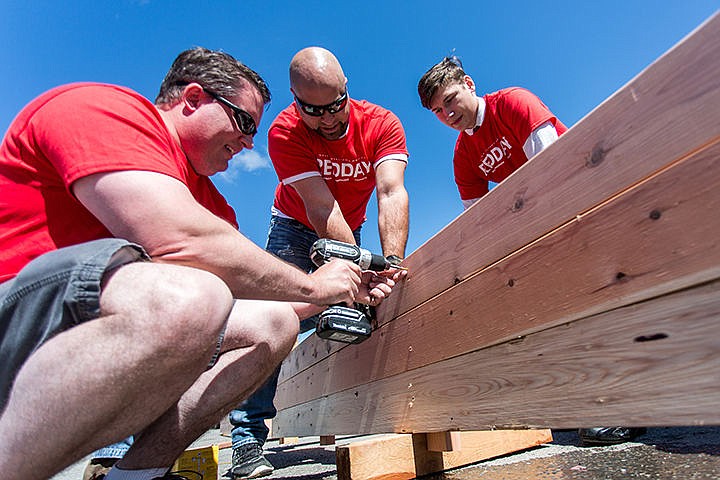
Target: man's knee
182	305
285	324
274	324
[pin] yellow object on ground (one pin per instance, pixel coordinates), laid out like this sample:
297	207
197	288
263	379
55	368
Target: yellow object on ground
202	460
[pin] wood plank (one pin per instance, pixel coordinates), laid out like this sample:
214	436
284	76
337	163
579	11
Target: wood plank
659	237
655	363
633	134
327	439
407	456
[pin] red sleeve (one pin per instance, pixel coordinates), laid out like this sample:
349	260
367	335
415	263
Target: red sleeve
290	151
523	111
470	184
391	137
100	128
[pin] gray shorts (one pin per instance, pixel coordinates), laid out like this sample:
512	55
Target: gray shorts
53	293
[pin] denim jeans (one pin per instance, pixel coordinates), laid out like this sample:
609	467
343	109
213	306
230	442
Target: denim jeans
291	241
53	293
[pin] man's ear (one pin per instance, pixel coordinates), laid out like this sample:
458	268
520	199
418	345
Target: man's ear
193	96
467	79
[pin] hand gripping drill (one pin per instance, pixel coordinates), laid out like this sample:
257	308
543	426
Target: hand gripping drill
338	322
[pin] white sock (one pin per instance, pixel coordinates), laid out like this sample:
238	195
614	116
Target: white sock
117	473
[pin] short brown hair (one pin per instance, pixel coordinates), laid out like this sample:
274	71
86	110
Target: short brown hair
448	70
217	71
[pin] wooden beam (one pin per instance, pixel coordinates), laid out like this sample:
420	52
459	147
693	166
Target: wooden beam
589	294
407	456
656	238
662	115
655	363
442	441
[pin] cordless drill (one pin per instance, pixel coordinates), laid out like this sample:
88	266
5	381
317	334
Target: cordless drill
338	322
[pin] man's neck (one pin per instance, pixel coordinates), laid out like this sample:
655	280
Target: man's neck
166	114
479	115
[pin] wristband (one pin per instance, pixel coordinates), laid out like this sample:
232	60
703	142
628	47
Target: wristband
394	259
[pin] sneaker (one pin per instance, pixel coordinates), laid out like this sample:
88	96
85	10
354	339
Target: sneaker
97	468
608	435
248	461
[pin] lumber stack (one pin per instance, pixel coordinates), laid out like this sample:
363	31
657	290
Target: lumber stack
582	291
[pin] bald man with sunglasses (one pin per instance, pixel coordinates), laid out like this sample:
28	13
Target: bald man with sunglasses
330	153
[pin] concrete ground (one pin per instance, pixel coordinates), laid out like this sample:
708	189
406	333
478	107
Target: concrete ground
683	453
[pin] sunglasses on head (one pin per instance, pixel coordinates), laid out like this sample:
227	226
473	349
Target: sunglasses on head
244	120
318	110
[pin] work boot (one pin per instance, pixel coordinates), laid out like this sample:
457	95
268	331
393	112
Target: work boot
248	461
608	435
97	468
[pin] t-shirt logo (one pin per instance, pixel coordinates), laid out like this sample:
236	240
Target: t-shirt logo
495	156
342	170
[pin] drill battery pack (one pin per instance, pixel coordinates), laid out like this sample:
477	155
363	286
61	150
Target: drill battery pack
343	324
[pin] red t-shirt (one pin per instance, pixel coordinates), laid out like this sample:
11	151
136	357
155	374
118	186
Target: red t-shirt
495	149
347	165
68	133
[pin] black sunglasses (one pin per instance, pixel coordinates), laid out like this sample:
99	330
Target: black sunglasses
243	118
318	110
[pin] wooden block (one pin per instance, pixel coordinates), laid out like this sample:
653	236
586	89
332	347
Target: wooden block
442	441
288	440
327	439
407	456
655	363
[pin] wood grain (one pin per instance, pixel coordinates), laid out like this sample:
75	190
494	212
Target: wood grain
407	456
662	235
655	363
666	113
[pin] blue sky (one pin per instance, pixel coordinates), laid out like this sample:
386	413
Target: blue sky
573	54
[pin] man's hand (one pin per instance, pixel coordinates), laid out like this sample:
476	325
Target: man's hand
338	281
376	286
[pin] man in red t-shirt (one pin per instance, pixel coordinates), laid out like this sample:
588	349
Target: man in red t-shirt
121	268
499	132
330	153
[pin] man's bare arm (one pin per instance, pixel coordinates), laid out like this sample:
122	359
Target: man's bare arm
159	213
323	210
393	207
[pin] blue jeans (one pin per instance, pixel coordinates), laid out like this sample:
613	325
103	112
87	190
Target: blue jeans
291	241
